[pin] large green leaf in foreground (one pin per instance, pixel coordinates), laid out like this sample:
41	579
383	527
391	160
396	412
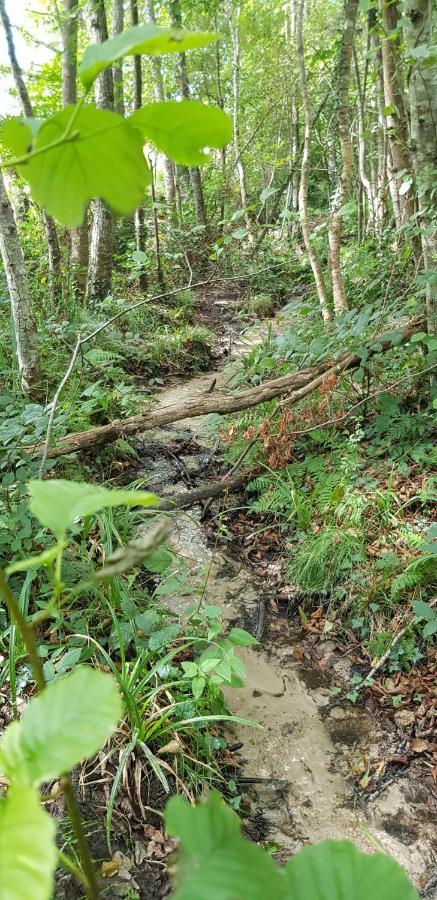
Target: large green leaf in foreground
140	39
182	130
218	863
27	846
101	157
57	502
70	720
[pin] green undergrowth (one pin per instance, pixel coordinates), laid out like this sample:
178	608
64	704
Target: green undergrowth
170	668
347	477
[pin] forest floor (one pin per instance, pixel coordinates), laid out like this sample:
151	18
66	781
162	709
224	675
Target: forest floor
323	767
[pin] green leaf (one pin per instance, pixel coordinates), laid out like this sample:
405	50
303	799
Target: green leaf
418	336
239	234
17	134
430	629
182	130
57	503
216	862
147	39
197	686
28	851
103	157
337	870
34	562
424	610
71	719
242	638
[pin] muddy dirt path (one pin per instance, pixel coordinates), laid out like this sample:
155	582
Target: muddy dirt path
298	772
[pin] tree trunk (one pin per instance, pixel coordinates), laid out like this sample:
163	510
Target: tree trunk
21	304
194	171
78	236
158	89
221	103
54	252
399	159
303	189
423	116
236	60
341	192
379	170
139	218
117	69
102	231
293	187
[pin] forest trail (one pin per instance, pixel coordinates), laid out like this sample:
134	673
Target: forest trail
297	776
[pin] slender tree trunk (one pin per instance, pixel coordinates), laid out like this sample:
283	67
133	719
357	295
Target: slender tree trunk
293	187
78	236
399	159
236	61
117	69
422	87
379	172
54	252
366	181
158	89
221	103
139	218
341	192
303	187
21	304
102	231
159	271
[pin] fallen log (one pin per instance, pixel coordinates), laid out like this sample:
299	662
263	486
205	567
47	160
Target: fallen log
295	385
207	491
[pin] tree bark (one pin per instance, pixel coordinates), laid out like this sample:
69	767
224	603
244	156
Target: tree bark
158	89
78	236
236	62
117	69
139	218
379	169
422	86
295	386
399	159
102	231
21	305
303	188
341	192
54	252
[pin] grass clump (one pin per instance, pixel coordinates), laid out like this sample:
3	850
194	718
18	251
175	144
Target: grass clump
321	561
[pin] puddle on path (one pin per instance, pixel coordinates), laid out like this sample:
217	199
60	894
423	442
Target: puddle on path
299	769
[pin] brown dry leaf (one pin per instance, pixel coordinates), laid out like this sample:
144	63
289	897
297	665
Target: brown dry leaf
111	867
171	747
418	745
405	717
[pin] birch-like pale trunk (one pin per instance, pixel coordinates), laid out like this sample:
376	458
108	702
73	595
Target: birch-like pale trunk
102	230
26	341
379	168
117	69
139	217
54	252
78	236
184	86
158	90
303	186
239	162
399	158
422	86
340	194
